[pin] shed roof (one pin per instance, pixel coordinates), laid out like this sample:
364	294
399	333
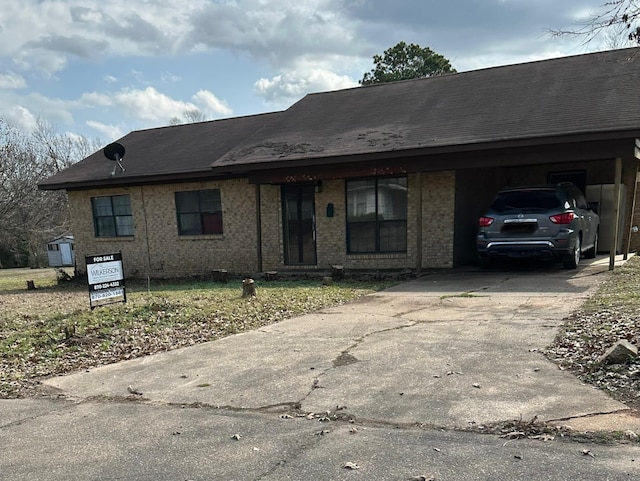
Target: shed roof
526	103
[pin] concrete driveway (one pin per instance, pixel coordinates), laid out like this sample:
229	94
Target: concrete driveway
452	349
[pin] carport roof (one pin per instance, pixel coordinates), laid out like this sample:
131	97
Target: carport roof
529	103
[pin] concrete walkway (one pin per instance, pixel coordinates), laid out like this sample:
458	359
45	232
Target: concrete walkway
452	350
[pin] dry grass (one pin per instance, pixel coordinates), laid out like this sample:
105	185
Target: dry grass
51	330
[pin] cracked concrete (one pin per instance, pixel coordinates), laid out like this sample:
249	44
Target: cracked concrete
450	349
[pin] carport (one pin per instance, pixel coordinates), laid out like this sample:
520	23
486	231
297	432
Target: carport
605	170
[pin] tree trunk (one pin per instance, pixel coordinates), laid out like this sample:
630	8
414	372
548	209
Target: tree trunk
248	288
220	275
271	276
337	272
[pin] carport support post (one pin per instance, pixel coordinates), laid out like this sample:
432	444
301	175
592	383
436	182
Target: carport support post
616	214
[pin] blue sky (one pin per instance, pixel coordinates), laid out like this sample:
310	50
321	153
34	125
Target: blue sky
103	68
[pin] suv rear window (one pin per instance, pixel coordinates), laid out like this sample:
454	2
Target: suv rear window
525	199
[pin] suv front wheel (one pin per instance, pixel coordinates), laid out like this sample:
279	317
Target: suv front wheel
572	261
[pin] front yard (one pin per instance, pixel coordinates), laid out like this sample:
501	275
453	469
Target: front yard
51	330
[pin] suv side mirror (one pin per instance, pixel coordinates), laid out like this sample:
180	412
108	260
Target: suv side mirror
594	206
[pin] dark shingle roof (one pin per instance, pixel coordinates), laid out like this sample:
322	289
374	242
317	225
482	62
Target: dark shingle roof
588	93
180	152
528	103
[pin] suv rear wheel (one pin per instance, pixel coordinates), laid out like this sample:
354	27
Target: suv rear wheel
572	261
591	253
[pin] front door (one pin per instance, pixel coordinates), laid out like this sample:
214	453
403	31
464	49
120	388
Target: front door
66	253
299	224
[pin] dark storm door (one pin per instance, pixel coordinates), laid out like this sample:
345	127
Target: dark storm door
299	224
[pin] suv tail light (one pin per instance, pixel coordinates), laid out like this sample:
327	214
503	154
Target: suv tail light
564	218
485	221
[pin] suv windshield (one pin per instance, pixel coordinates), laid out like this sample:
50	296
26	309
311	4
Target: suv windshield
526	199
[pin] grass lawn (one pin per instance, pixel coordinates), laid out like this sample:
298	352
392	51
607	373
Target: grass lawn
51	330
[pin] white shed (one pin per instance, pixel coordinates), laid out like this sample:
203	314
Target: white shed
60	252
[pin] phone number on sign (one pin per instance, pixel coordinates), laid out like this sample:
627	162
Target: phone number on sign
107	294
106	285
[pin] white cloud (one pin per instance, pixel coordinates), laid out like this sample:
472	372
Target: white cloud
209	103
149	104
95	99
284	88
278	31
168	77
12	80
108	132
22	117
43	35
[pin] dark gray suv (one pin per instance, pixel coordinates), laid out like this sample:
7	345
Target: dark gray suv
550	221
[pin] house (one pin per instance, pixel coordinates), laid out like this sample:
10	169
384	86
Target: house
388	176
60	251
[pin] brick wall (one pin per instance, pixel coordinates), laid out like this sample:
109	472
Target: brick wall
156	249
434	233
271	227
438	212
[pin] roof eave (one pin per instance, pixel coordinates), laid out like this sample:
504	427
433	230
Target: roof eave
496	144
132	180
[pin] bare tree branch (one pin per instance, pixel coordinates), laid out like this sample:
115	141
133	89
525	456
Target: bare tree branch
615	19
30	217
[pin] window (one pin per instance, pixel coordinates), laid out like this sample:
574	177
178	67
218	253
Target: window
377	215
199	212
112	216
53	247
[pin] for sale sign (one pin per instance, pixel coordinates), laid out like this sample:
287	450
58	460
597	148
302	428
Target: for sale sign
106	279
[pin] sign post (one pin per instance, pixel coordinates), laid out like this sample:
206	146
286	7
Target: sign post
106	279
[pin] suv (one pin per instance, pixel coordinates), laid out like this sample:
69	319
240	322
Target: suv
550	221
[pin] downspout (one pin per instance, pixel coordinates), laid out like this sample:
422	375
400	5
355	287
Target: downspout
259	227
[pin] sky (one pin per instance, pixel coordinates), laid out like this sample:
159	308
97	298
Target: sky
102	68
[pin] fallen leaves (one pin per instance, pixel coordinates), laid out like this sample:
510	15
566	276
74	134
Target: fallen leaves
612	314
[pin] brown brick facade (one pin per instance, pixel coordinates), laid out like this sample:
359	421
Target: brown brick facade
156	249
438	214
